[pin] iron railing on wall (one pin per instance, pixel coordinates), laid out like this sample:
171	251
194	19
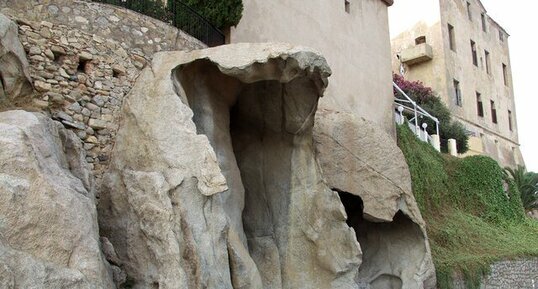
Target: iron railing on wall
177	14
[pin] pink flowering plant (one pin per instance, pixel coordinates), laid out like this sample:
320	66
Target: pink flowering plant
415	89
426	98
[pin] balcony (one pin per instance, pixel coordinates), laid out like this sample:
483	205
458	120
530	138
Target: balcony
417	54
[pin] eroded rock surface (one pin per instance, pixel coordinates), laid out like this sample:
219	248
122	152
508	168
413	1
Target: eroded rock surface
15	82
48	221
213	181
366	167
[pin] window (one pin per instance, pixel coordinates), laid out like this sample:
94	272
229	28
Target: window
505	74
473	51
457	93
347	6
501	36
420	40
479	105
488	67
493	112
469	14
483	16
451	38
510	120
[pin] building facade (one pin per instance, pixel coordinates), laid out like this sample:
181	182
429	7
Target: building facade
353	35
454	47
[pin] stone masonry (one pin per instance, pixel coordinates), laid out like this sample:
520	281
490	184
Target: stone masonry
84	58
518	274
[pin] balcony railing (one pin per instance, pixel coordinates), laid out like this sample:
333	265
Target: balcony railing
177	14
404	103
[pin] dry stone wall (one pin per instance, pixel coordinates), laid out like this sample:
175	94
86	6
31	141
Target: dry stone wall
519	274
513	274
84	58
132	30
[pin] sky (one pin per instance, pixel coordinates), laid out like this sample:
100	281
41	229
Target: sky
520	20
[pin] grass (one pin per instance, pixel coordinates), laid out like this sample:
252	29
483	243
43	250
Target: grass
474	217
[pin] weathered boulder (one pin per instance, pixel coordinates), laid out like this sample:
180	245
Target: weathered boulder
213	181
15	81
48	220
364	164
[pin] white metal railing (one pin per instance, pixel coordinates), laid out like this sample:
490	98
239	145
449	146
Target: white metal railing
409	105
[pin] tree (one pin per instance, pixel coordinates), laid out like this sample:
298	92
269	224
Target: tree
426	98
527	184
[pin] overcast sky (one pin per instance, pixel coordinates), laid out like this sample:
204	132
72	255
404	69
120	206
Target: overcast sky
519	18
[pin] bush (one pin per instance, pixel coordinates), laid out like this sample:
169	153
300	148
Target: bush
220	13
426	98
456	131
480	185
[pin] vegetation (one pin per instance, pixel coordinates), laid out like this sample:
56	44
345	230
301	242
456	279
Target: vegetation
527	184
426	98
474	214
221	13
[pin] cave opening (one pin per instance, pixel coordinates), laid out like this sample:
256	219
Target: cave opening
388	247
354	207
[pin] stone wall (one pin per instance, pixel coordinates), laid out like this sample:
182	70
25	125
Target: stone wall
520	274
134	31
84	58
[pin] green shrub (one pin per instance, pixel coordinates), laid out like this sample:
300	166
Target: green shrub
479	189
473	217
457	131
221	13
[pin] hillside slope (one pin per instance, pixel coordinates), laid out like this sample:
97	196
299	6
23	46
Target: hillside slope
473	216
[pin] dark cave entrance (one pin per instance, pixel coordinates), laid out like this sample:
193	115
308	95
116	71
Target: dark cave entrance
387	247
354	207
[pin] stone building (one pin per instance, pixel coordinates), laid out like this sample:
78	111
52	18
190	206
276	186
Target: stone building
353	36
462	53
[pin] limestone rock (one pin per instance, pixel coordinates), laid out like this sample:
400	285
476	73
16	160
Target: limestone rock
15	81
213	181
366	167
48	231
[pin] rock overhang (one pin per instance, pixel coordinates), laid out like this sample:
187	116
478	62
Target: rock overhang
281	62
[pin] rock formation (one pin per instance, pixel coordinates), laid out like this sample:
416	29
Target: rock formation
219	180
253	212
369	171
15	81
48	220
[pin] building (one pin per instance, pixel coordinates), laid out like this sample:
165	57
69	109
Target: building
454	47
353	35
